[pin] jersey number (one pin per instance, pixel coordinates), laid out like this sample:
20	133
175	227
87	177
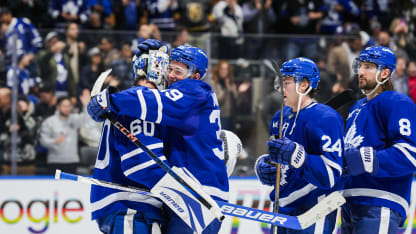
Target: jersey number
174	94
405	127
136	127
213	117
336	147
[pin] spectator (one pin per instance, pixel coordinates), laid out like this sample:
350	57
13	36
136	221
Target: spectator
26	82
122	67
229	15
25	128
46	105
67	11
28	40
92	70
146	31
304	16
160	13
129	14
384	39
75	49
108	52
258	17
411	75
341	57
194	15
33	10
182	38
89	133
54	67
226	90
59	133
103	9
399	76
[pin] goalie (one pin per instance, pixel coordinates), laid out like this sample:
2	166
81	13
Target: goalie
189	114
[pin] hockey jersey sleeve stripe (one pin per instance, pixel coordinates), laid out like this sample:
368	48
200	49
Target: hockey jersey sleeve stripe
296	195
213	191
332	164
330	175
142	166
139	151
135	197
142	102
159	106
365	192
403	148
101	164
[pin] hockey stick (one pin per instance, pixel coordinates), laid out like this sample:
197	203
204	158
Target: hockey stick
200	195
341	99
305	220
276	69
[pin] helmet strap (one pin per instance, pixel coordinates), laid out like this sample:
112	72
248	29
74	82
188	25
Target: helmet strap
299	103
379	83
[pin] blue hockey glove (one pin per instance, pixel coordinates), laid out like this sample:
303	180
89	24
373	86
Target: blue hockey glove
359	161
99	105
286	152
144	47
264	171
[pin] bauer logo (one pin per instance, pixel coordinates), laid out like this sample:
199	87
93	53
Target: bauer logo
253	214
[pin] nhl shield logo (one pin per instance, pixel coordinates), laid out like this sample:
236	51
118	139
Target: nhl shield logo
194	11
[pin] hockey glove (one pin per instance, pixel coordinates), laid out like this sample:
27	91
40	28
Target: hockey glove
286	152
264	171
99	105
359	161
144	47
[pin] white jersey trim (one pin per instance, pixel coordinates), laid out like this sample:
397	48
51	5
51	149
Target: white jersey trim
296	195
140	150
213	191
128	221
127	196
143	107
384	220
159	106
142	166
101	164
403	148
364	192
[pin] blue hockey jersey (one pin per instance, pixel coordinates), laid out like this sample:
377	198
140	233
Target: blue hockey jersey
121	161
189	110
28	37
318	129
387	123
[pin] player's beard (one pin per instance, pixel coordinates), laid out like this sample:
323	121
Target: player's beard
365	84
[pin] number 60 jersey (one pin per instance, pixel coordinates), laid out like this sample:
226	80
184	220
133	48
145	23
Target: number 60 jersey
189	114
386	123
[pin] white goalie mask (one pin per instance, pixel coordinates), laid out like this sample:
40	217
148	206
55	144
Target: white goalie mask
153	66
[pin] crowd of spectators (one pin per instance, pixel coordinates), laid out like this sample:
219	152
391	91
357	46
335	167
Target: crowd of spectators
61	46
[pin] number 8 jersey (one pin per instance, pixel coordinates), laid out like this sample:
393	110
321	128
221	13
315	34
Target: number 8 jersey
386	123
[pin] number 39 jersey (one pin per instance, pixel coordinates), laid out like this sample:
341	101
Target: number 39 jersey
190	116
318	129
386	123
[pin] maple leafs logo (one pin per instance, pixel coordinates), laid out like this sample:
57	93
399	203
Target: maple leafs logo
351	140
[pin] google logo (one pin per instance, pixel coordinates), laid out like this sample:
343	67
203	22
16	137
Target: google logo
41	211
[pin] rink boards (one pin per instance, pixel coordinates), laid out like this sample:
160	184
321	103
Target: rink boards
43	205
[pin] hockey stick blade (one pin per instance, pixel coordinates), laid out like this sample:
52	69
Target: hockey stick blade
99	82
341	99
320	210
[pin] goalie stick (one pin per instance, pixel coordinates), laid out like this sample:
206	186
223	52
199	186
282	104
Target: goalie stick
198	193
300	222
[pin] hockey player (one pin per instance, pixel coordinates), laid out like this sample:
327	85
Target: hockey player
120	161
310	152
380	149
189	111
